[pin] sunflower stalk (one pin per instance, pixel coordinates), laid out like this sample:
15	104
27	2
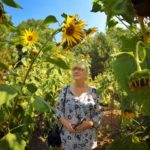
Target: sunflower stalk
137	55
16	127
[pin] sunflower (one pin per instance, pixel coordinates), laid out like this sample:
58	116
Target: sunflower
29	37
72	31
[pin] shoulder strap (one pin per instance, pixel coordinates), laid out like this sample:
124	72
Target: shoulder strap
64	104
65	97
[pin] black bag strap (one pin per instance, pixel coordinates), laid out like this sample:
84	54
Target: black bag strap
64	101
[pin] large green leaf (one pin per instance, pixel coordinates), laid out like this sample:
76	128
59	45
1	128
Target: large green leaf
96	7
59	62
3	115
47	48
50	20
147	60
11	3
12	142
128	43
113	8
3	66
122	69
7	93
40	105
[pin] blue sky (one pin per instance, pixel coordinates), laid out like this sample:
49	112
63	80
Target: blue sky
39	9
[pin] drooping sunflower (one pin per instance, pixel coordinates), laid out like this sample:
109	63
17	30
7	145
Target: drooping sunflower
73	30
29	37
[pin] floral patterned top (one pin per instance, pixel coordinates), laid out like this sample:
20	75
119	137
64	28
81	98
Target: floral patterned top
76	109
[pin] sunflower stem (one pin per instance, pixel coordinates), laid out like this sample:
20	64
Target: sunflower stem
137	55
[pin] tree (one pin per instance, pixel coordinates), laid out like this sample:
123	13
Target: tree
99	49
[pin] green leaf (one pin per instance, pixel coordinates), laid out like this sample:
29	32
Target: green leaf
114	8
59	62
145	106
32	88
147	62
135	139
142	54
50	20
122	69
11	3
111	23
96	7
12	142
7	93
3	66
13	28
17	87
64	15
128	43
48	48
38	45
4	116
40	105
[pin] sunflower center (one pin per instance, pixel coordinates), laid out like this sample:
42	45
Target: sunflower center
70	30
29	38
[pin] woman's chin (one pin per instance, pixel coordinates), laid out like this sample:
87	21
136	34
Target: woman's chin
77	78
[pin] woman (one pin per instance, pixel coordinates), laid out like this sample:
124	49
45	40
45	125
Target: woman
80	115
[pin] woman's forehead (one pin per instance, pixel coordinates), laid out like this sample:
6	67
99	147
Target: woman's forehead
79	66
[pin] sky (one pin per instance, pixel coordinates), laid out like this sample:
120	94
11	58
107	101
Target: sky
40	9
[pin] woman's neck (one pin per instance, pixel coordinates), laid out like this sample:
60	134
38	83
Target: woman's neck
80	84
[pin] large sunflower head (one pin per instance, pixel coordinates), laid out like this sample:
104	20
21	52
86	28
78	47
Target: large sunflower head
73	30
29	37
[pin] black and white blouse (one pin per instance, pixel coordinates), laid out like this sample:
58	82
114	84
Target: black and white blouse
76	108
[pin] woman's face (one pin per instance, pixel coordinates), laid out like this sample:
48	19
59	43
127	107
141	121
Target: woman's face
79	72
